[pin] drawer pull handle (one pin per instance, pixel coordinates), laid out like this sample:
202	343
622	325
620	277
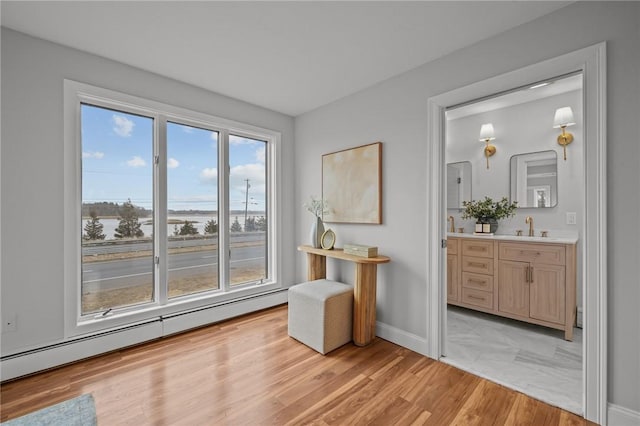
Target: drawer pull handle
479	265
528	274
476	297
476	281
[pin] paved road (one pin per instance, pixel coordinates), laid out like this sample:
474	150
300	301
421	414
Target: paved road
97	276
120	246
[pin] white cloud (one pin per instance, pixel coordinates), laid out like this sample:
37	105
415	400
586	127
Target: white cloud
136	162
208	175
97	155
260	154
254	172
122	125
238	140
238	185
172	163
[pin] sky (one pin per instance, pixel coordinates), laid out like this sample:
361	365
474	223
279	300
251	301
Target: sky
117	163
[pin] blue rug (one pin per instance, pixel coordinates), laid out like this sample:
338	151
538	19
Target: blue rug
80	411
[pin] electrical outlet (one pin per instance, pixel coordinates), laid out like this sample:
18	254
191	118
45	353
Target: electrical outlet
571	218
9	323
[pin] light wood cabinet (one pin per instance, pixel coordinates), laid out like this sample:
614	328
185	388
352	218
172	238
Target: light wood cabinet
529	281
477	266
533	281
452	271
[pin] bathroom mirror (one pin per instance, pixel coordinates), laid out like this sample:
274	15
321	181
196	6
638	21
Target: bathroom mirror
534	179
458	184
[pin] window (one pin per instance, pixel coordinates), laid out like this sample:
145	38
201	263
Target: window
192	215
248	210
175	209
117	209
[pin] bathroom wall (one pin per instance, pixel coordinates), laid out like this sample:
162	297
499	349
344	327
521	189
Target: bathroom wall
519	129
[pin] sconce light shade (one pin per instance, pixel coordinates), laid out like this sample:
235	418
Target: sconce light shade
487	134
563	119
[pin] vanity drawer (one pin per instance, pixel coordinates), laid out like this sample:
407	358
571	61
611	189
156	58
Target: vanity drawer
480	298
477	281
479	265
452	245
477	248
534	253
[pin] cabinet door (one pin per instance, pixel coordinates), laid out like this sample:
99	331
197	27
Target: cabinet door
452	278
547	293
513	288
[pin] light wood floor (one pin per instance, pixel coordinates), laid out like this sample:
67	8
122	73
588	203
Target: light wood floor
247	371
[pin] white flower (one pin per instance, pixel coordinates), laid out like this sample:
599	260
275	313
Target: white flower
316	206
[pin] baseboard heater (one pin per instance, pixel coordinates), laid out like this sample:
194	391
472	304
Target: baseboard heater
75	341
57	354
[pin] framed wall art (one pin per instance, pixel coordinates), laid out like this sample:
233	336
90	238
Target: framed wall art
352	185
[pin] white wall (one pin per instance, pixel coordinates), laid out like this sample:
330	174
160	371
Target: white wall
395	112
33	71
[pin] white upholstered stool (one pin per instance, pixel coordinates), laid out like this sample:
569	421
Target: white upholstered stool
321	314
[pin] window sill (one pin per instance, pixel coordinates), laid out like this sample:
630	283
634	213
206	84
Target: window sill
94	324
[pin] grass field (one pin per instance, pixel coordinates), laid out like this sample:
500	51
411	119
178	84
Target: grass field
143	292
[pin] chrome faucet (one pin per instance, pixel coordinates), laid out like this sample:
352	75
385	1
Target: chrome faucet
529	220
451	226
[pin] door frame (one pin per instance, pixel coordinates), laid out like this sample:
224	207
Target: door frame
591	61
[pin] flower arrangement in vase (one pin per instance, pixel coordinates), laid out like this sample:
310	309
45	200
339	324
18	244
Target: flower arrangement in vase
318	207
488	211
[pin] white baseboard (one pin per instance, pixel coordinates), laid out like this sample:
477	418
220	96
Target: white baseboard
30	362
620	416
400	337
181	322
38	360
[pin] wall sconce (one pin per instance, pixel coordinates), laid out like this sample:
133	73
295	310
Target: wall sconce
486	135
564	119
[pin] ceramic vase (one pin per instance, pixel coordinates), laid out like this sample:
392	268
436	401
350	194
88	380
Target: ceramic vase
491	221
317	229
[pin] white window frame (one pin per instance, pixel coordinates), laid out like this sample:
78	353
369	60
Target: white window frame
76	93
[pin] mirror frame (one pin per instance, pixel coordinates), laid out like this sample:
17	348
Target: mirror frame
513	179
328	239
459	208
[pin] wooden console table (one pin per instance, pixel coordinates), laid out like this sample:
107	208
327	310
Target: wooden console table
364	289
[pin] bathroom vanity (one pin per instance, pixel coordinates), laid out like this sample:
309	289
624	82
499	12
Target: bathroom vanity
530	279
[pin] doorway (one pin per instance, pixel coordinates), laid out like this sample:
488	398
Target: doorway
525	168
591	62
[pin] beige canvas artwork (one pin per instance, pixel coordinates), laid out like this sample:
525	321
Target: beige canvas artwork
351	185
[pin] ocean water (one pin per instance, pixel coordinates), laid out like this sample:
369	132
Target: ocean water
110	225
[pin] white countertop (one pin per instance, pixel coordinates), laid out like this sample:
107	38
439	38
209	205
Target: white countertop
549	240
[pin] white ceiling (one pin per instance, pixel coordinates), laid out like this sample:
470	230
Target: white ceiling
532	93
290	57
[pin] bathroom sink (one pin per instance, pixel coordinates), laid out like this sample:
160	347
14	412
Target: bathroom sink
537	239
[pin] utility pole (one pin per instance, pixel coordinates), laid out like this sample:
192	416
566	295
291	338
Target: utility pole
246	203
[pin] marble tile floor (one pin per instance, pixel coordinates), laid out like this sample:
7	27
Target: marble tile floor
531	359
